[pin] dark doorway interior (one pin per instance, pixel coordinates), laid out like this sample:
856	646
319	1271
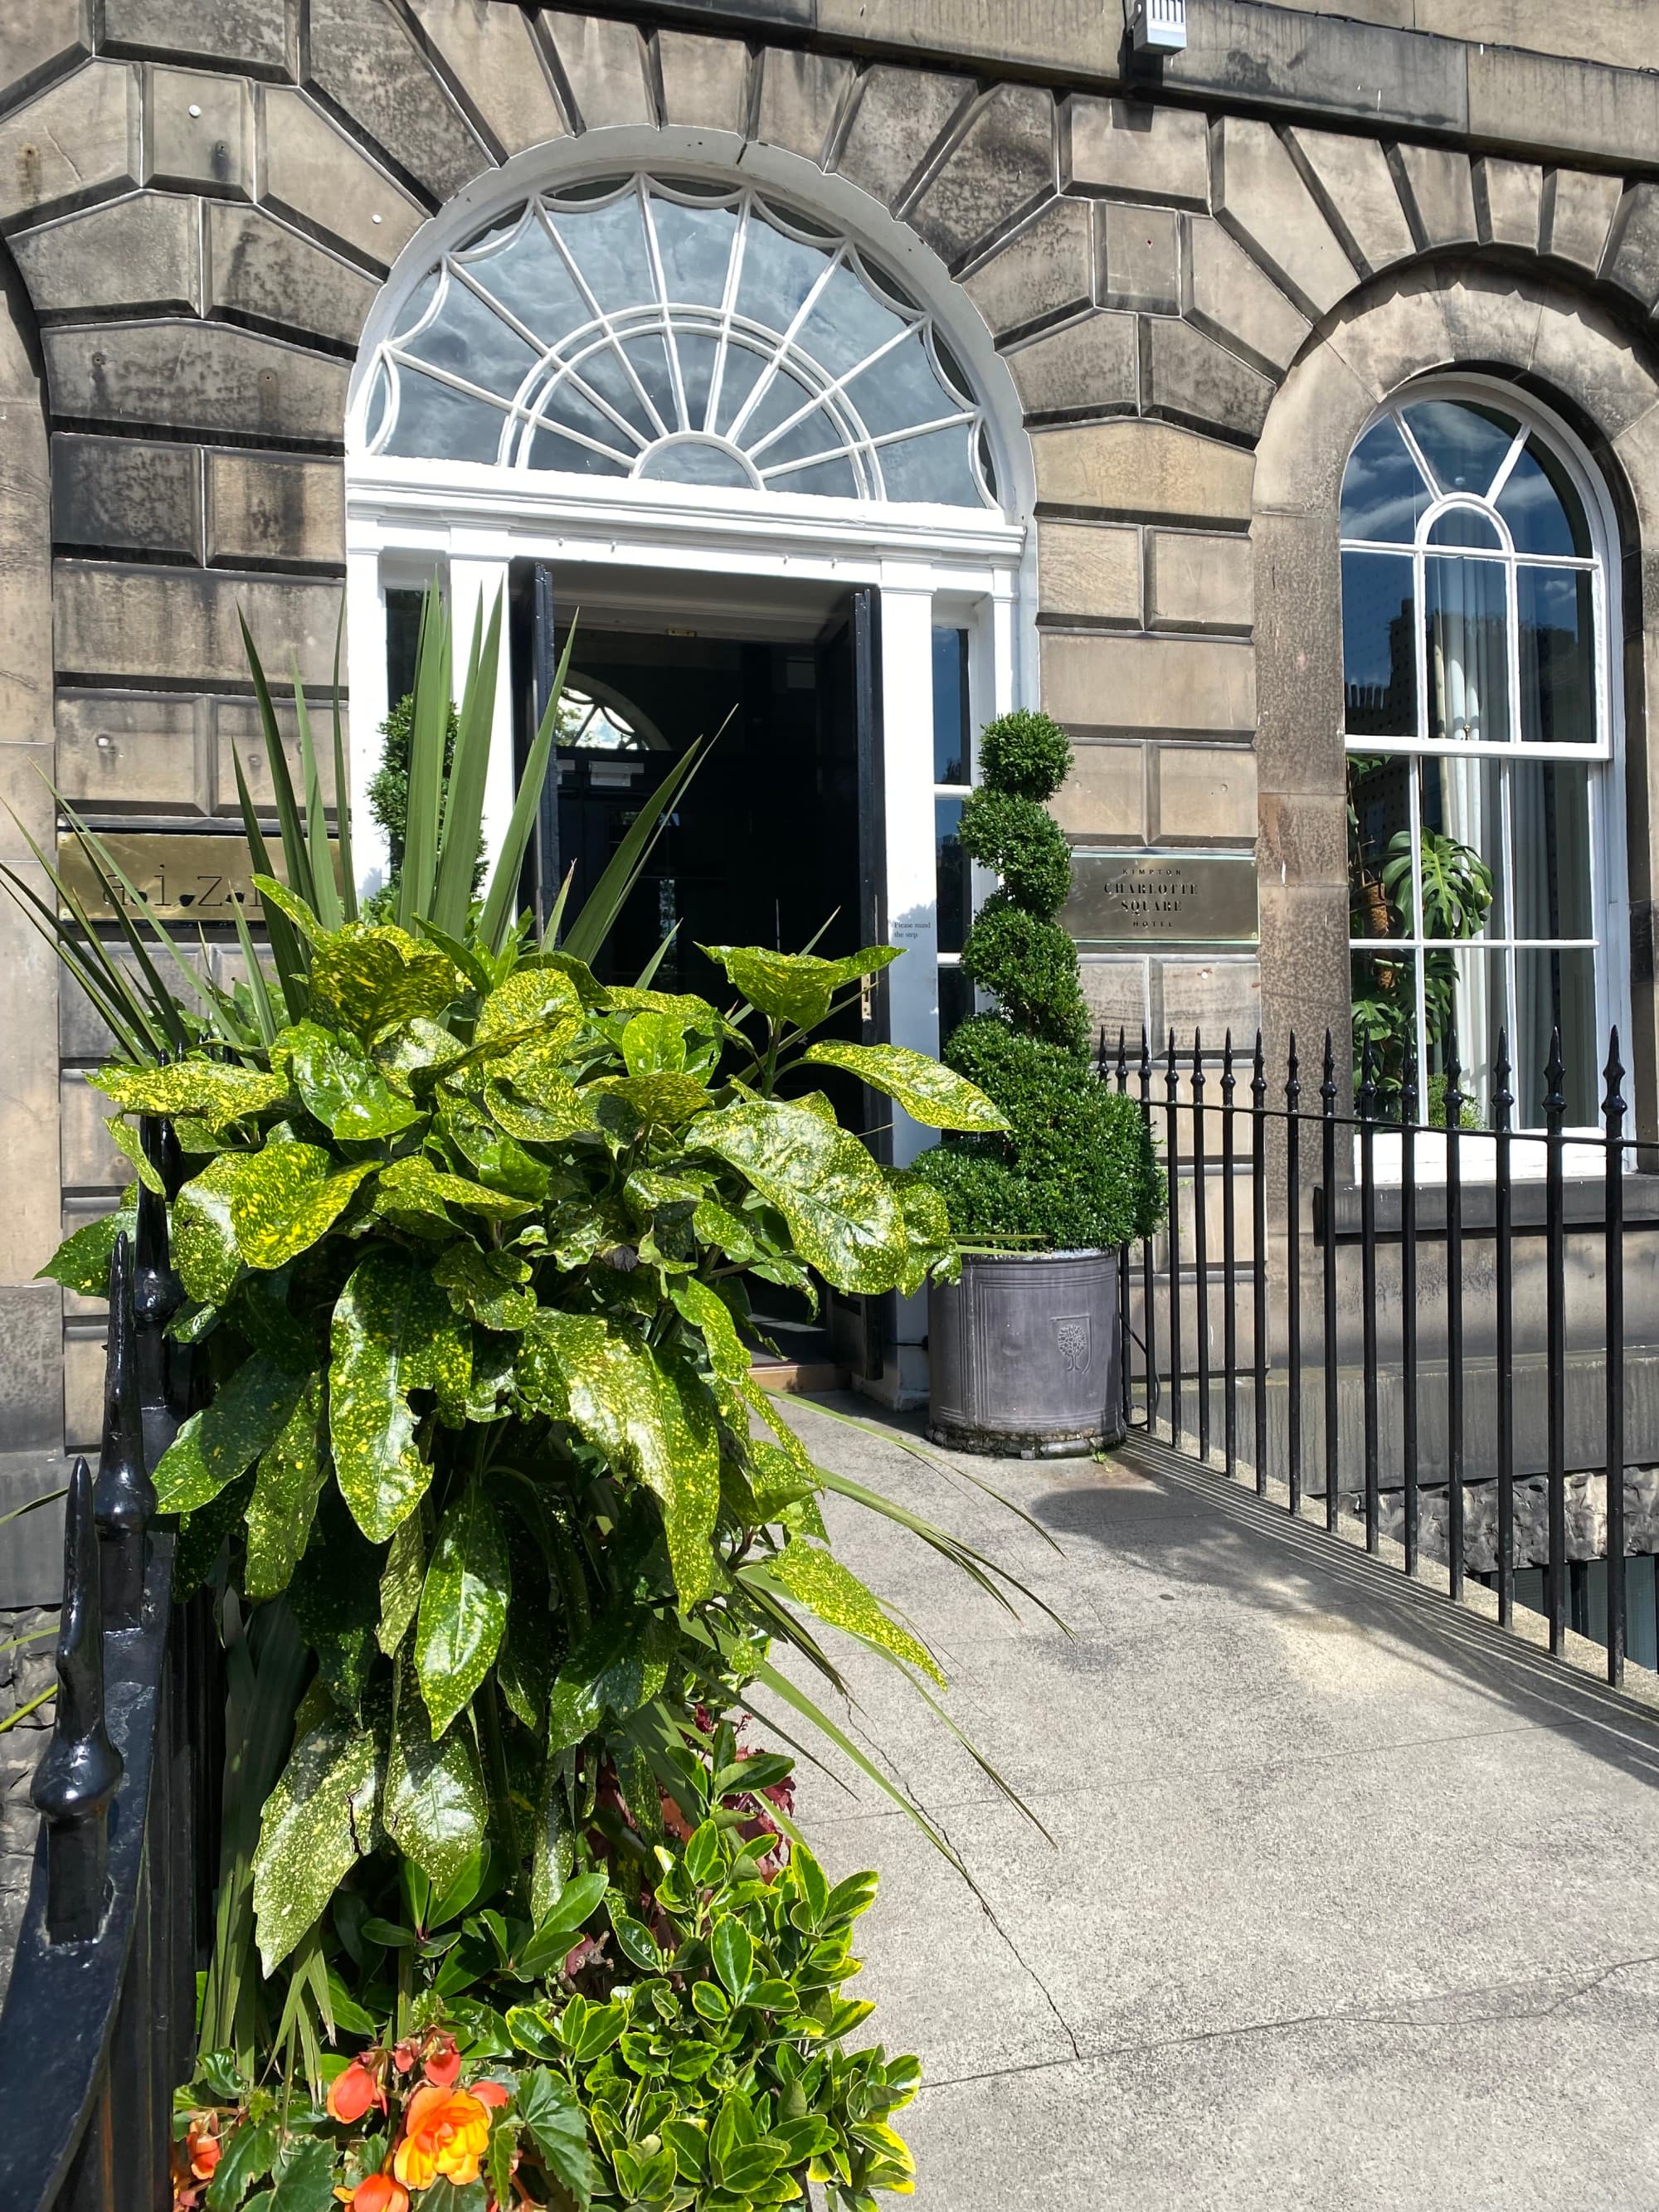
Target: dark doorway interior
774	842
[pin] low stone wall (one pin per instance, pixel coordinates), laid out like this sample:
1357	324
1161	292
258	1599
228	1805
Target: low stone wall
1586	1519
25	1671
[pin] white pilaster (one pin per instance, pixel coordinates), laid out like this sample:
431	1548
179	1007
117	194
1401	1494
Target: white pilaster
907	708
366	680
475	583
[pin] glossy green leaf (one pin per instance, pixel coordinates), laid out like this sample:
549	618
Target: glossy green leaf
619	1666
434	1808
392	1333
82	1262
667	1095
537	1006
285	1198
653	1419
415	1185
545	1109
245	1416
702	1304
307	2182
279	1515
216	1093
368	979
496	1159
124	1135
733	1954
318	1821
935	1096
550	2109
820	1582
400	1584
204	1248
843	1218
489	1287
341	1085
789	986
463	1610
247	2153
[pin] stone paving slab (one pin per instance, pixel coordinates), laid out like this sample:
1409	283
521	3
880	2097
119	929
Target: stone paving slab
1350	1900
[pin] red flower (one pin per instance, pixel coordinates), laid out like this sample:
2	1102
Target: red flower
351	2093
201	2145
379	2192
443	2062
491	2093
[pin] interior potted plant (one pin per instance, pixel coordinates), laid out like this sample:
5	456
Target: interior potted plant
1023	1350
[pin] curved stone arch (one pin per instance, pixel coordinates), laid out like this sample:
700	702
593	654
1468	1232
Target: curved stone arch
1574	358
31	1410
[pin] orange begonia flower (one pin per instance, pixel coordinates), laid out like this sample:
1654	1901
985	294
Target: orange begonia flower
443	2062
379	2192
491	2093
202	2147
351	2093
445	2131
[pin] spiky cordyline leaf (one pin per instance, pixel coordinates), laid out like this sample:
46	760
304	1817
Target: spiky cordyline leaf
463	814
503	892
326	891
288	948
282	783
609	895
428	730
106	987
342	787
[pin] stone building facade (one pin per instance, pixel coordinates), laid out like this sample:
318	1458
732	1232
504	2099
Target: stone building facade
1180	290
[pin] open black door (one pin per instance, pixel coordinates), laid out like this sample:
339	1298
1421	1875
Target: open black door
535	658
849	684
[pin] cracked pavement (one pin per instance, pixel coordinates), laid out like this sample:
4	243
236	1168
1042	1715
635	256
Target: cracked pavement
1350	1901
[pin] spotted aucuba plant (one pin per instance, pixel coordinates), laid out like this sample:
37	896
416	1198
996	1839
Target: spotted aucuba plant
491	1501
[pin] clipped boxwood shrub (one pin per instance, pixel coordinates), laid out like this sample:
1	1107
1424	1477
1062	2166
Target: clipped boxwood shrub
1076	1168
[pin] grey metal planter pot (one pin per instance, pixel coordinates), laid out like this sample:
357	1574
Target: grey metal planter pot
1024	1355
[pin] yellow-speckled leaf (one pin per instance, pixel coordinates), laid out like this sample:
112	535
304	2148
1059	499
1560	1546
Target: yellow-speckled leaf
245	1416
832	1591
124	1135
489	1287
286	1198
285	1490
936	1097
203	1242
668	1095
463	1610
341	1085
556	1110
370	979
400	1584
393	1332
842	1218
318	1821
533	1004
205	1088
702	1304
434	1809
415	1185
652	1419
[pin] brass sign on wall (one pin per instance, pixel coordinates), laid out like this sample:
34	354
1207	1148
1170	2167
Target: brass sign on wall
178	876
1186	898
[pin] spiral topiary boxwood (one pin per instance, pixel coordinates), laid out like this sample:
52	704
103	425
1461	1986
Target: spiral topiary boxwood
1077	1169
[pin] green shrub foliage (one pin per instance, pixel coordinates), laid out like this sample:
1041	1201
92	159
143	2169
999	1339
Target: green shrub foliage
1075	1168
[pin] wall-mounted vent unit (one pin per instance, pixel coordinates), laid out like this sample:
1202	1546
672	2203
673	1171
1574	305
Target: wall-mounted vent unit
1159	26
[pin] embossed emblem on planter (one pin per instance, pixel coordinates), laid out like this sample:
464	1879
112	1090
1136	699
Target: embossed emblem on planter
1072	1338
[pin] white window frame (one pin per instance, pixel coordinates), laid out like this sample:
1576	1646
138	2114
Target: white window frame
1609	884
408	519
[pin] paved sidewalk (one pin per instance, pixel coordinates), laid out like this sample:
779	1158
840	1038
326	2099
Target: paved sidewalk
1350	1904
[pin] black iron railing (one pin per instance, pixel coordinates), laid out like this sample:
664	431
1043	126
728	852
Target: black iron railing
99	2024
1446	1334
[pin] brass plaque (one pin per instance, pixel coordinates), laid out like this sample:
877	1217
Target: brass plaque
1185	898
178	877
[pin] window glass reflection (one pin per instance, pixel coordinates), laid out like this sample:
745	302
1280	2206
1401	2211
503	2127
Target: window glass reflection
1383	494
953	874
1555	608
1379	649
1468	665
949	706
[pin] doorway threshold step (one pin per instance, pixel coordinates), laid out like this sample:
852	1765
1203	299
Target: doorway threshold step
800	1376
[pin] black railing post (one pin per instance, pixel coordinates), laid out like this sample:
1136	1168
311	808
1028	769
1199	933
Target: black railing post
1327	1170
157	1295
1125	1332
1555	1333
1453	1319
1148	1257
1172	1139
1293	1268
1504	1264
1408	1109
124	1496
1228	1263
1200	1251
1368	1291
1613	1453
79	1775
1259	1255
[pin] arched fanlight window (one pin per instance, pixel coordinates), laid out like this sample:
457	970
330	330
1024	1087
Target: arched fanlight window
657	328
596	720
1484	842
